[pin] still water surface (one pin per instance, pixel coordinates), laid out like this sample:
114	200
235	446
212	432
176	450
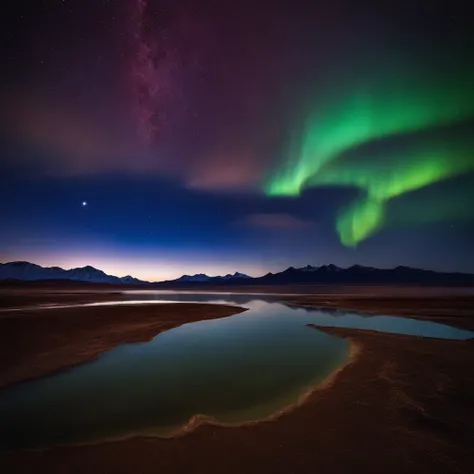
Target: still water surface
233	370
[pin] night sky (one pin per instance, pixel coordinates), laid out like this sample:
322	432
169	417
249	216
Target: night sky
156	138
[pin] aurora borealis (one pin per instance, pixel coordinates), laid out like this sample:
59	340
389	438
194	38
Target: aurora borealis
237	136
411	111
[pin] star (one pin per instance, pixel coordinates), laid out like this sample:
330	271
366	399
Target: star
84	203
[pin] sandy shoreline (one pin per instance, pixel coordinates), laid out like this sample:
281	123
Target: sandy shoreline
200	420
457	311
42	342
403	404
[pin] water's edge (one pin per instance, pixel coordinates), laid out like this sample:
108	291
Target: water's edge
147	337
198	420
353	349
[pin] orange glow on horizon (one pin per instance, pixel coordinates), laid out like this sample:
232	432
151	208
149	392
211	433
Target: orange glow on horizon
142	267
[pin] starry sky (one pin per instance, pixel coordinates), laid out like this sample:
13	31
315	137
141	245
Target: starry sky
157	138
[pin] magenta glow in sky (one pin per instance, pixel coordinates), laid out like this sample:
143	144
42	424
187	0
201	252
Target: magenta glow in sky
168	116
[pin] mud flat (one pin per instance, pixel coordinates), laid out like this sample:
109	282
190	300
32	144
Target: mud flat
34	343
404	404
457	311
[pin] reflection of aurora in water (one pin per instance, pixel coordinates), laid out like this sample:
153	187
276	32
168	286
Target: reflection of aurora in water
391	137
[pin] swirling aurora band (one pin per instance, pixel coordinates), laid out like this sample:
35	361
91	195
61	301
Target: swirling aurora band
344	142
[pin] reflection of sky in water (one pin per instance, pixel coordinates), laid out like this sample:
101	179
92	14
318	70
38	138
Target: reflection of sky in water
240	368
235	369
268	305
418	291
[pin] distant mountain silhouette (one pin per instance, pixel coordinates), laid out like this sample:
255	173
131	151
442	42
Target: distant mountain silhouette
357	274
316	275
333	275
26	271
197	278
203	278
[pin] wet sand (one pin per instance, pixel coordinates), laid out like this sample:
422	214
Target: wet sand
18	297
403	405
34	343
457	311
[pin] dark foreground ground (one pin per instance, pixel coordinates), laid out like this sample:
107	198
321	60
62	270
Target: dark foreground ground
403	406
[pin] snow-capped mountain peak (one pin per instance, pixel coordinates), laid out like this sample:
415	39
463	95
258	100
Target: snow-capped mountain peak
240	275
25	271
235	275
309	268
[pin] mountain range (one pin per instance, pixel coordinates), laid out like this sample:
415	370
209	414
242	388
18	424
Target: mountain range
26	271
360	275
322	275
203	278
334	275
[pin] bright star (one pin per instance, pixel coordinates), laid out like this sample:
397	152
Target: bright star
84	203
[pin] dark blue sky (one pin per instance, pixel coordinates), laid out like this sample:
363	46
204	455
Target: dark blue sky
167	119
155	229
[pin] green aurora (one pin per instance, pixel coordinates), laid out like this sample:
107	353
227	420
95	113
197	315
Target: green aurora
386	137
